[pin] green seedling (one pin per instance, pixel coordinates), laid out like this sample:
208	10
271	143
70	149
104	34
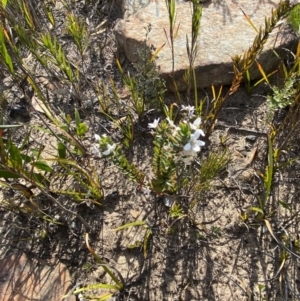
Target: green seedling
81	127
261	288
49	14
28	16
269	172
59	57
216	231
210	168
147	235
176	211
267	180
77	29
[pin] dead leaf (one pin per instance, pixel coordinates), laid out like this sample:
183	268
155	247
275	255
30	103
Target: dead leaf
22	189
39	106
134	213
251	156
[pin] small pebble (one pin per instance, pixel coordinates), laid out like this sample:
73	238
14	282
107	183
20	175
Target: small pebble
168	201
251	138
52	227
73	226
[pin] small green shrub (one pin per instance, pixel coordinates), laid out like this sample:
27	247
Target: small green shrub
282	97
294	18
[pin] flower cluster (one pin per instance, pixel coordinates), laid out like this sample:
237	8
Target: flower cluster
189	134
104	146
188	112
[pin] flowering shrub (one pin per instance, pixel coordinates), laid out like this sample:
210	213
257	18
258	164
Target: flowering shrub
175	148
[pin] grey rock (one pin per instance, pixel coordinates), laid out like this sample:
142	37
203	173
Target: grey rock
168	201
251	138
224	33
129	7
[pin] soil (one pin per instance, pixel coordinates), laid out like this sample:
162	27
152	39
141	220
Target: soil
216	257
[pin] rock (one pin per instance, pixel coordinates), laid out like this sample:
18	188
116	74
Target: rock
129	7
22	279
224	33
251	138
168	200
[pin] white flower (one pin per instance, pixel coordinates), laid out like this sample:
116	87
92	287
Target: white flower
176	128
110	148
95	151
171	123
194	143
97	137
154	124
189	109
195	125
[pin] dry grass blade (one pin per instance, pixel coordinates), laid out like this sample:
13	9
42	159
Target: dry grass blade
249	21
268	225
241	64
98	259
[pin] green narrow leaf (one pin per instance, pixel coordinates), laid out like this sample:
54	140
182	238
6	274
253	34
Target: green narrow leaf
146	239
96	286
4	2
5	54
285	205
43	166
105	296
8	174
28	16
15	156
62	150
49	14
26	158
256	209
77	117
137	223
269	170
